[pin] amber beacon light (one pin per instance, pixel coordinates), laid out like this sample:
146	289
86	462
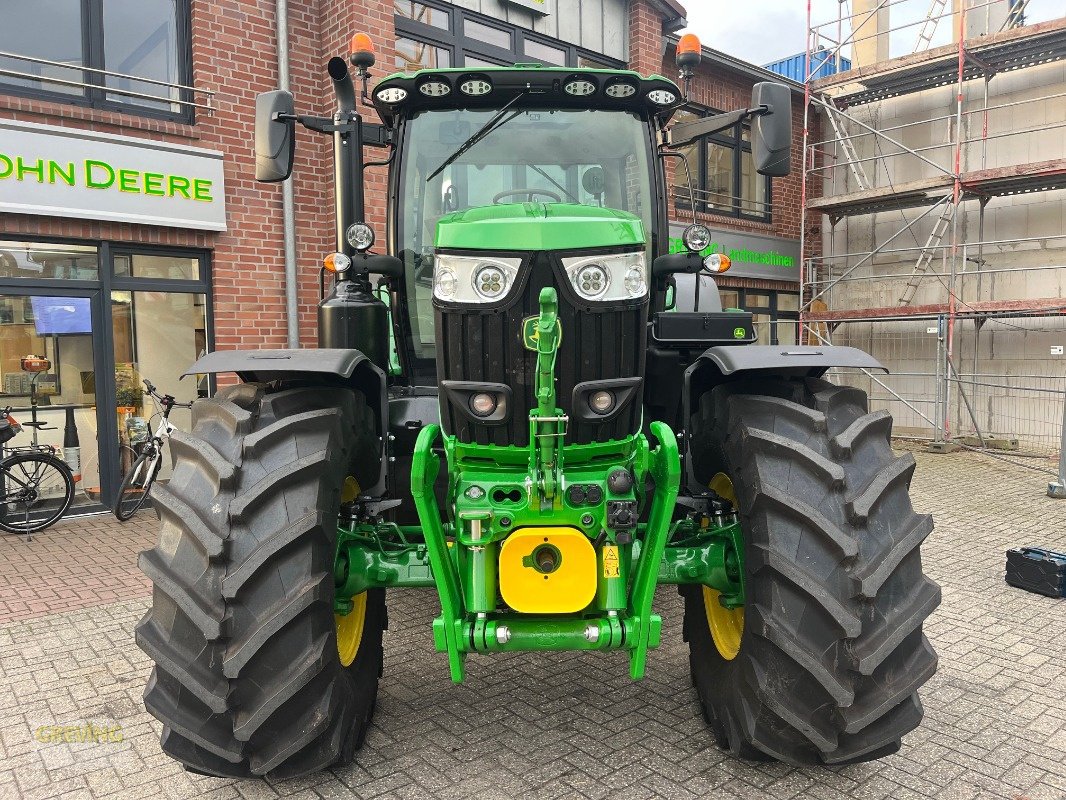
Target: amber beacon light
362	51
687	58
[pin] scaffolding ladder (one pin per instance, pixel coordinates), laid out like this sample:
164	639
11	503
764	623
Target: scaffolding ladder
862	181
925	258
928	29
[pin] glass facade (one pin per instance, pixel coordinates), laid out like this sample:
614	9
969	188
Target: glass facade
60	41
156	335
105	317
775	314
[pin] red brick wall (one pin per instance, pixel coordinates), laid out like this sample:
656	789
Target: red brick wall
233	46
233	53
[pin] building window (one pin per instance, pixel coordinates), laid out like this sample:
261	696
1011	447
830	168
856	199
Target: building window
437	34
723	174
412	55
145	42
420	12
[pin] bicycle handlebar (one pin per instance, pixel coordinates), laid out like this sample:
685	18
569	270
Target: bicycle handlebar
167	400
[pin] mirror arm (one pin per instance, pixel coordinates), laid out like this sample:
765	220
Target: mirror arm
688	132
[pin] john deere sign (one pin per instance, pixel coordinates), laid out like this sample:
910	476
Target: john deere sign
62	172
753	256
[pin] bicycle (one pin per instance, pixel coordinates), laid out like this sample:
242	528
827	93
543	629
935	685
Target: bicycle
36	486
137	484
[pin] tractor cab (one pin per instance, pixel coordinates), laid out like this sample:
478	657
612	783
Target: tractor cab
509	162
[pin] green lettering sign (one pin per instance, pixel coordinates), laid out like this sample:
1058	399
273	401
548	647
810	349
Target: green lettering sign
21	169
127	180
153	184
99	175
176	185
55	170
201	190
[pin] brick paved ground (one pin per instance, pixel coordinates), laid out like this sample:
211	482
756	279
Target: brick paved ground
557	725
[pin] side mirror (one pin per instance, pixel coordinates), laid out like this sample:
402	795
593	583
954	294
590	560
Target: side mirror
593	181
275	139
771	133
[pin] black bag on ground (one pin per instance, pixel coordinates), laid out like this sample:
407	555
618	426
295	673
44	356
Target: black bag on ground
1037	570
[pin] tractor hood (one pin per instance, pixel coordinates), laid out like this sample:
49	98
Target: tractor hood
538	226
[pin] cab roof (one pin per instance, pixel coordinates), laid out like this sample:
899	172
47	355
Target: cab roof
589	88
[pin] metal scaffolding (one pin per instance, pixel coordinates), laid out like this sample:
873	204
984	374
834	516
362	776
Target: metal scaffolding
896	188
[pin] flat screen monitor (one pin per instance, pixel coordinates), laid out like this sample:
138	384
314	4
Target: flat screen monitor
56	316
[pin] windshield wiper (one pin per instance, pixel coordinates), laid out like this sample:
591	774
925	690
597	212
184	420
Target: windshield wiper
558	185
497	121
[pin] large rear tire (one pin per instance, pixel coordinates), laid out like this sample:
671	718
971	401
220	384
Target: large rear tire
831	650
248	678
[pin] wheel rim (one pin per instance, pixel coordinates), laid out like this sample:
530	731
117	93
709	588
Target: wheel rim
350	630
726	624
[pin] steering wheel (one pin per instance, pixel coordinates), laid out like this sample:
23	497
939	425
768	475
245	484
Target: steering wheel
528	193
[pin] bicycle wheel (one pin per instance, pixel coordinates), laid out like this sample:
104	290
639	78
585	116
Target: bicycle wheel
137	484
36	489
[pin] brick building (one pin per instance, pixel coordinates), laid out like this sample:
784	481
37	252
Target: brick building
133	236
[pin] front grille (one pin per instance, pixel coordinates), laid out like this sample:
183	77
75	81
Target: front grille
485	344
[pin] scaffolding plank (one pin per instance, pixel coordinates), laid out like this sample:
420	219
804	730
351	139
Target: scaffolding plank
1041	306
1037	176
1004	51
911	194
1033	177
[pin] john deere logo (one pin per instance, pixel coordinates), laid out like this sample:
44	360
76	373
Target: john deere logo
739	333
530	334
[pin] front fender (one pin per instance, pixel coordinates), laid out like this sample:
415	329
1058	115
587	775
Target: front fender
728	363
808	361
331	366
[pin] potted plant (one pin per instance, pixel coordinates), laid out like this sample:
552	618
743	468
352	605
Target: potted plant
127	399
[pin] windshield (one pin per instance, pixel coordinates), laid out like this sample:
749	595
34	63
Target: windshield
585	156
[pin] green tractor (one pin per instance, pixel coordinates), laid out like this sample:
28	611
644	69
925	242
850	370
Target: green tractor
513	412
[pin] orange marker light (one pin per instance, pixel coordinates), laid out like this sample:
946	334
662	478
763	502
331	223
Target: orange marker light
336	262
717	263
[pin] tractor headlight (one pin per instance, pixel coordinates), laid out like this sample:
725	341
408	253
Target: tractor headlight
445	283
602	401
592	281
360	236
490	282
696	237
620	276
466	279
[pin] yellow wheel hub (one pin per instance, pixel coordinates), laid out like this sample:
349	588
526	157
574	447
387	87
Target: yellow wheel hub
350	630
726	624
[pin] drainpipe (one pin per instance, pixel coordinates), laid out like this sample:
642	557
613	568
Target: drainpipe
288	214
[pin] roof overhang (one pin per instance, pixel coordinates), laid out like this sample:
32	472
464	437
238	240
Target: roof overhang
674	15
740	66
